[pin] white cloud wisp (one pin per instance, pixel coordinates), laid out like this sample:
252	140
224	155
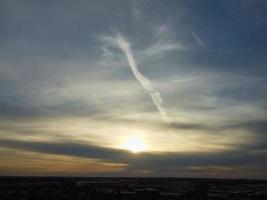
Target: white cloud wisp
144	81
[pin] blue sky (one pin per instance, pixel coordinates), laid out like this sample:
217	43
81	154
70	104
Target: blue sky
186	79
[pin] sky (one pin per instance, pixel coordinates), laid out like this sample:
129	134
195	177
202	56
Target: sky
174	88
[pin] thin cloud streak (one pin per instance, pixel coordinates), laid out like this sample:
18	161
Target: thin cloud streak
144	81
199	41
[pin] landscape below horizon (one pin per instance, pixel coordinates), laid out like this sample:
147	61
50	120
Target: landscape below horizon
83	188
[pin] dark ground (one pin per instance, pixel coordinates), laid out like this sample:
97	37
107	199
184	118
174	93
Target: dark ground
50	188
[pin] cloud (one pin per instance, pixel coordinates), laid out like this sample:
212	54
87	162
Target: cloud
256	126
153	162
59	86
145	82
159	48
163	42
67	148
29	163
199	41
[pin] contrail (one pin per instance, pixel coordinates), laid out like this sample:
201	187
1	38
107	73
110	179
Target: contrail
144	81
199	41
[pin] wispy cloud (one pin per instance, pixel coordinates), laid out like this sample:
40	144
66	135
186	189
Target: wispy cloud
144	81
161	47
199	41
163	42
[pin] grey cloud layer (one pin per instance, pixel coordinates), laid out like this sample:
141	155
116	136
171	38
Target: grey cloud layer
144	161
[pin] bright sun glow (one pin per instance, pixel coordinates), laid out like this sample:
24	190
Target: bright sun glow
135	144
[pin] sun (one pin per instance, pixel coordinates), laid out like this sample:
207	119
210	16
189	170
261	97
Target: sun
135	144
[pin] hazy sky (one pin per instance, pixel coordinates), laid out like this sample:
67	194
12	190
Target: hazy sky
133	88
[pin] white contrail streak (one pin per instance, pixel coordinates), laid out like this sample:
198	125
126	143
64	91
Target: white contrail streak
144	81
199	41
